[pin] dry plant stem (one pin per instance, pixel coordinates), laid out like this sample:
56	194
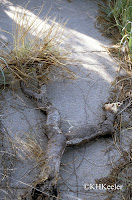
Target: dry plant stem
55	148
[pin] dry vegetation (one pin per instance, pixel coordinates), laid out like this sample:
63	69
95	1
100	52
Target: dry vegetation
116	20
40	57
36	53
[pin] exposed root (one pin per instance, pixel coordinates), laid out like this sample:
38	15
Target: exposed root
46	186
56	146
86	134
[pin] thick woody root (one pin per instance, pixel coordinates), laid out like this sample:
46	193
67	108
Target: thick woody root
87	133
47	188
49	175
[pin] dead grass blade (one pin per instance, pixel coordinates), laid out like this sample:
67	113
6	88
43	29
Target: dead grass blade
36	52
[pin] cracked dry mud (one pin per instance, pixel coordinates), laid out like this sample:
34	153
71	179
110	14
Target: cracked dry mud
79	104
46	188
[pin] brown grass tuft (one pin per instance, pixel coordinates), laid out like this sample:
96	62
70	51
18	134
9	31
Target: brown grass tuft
36	52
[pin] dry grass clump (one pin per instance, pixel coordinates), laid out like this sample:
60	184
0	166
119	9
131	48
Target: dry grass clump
31	149
36	52
116	20
122	85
